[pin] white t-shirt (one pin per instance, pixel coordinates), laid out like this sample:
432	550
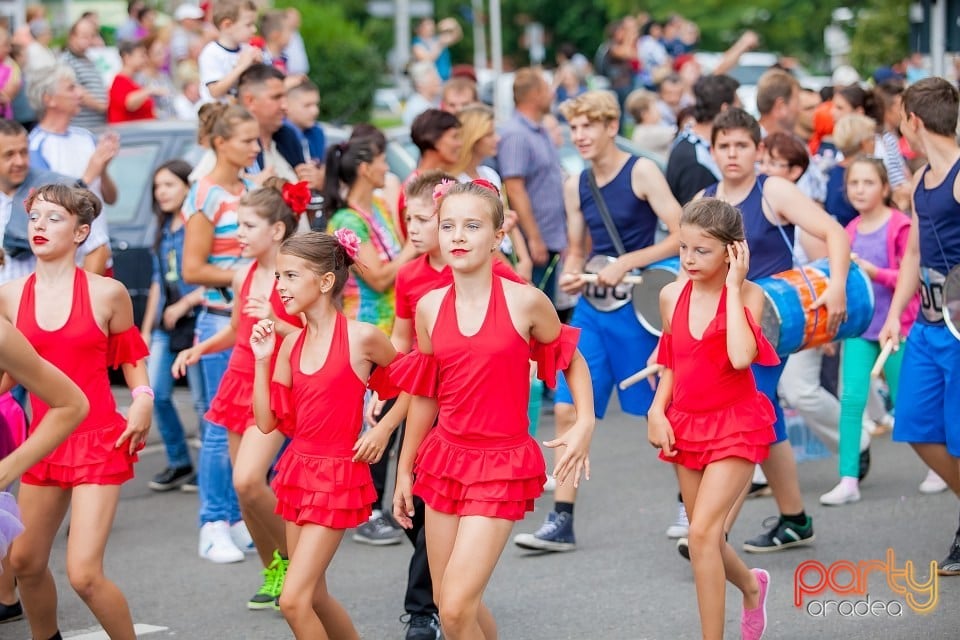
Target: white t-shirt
214	63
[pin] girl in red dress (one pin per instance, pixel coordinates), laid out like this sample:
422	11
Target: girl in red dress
267	216
82	324
479	470
316	397
707	416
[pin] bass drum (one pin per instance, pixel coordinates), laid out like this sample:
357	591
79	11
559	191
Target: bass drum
646	295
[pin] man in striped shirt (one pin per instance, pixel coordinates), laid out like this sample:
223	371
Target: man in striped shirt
94	101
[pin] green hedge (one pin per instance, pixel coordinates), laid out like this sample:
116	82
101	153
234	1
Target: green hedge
342	64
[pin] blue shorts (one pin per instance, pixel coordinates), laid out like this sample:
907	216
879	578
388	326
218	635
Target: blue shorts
615	346
768	378
928	401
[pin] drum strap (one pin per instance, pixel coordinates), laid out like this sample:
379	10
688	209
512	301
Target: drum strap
605	214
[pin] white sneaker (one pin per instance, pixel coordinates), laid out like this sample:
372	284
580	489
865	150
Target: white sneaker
933	483
241	537
550	484
839	495
681	527
216	545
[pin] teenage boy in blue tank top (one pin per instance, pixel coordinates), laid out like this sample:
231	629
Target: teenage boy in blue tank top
612	340
928	402
766	202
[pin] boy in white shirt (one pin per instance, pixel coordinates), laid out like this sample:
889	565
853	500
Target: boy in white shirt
222	61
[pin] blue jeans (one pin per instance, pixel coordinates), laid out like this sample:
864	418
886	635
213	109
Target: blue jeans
168	421
218	500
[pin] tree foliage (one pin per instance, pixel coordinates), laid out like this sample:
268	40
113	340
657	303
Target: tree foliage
881	35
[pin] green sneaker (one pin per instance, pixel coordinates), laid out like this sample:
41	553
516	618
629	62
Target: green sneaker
782	535
273	575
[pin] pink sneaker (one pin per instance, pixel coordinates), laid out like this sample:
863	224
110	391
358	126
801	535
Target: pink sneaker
754	621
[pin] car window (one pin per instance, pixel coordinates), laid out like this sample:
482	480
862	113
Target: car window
132	172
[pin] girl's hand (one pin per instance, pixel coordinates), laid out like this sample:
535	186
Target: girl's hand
660	433
510	219
374	410
138	424
172	314
258	307
263	339
184	359
575	458
739	256
370	445
403	500
865	265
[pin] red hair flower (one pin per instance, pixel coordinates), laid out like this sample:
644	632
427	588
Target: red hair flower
349	240
441	189
297	196
258	42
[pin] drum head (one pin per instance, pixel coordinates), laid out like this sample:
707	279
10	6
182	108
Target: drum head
951	301
646	298
770	322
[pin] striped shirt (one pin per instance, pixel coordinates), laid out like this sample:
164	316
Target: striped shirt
220	208
90	79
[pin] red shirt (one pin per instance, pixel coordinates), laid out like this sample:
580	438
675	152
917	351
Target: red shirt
117	111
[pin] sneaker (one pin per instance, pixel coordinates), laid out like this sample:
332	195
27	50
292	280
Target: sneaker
683	548
864	464
422	626
933	483
216	545
241	537
10	612
782	535
754	621
555	534
840	495
681	527
550	484
190	486
759	490
266	597
950	566
171	478
378	531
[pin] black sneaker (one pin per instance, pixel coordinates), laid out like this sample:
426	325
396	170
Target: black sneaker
782	535
683	548
171	478
864	464
10	612
422	626
759	489
950	566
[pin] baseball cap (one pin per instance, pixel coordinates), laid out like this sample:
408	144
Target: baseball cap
844	76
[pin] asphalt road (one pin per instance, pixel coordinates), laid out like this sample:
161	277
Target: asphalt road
624	582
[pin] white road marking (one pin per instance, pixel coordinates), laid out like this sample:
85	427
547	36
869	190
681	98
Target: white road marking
139	629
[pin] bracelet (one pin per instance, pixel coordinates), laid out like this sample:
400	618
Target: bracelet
141	390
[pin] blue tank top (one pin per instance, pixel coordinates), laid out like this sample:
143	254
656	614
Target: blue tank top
633	218
938	214
769	253
836	203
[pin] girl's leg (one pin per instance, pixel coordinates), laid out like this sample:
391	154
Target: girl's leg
855	364
713	493
8	585
252	455
42	510
307	607
168	421
477	544
91	517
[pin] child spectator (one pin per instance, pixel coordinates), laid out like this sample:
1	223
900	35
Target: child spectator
650	134
222	61
303	109
127	100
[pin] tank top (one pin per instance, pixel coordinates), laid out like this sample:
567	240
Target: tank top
939	233
633	218
242	356
769	254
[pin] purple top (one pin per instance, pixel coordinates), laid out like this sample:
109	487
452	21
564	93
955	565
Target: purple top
872	247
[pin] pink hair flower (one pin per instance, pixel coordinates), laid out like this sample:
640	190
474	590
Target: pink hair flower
349	240
441	189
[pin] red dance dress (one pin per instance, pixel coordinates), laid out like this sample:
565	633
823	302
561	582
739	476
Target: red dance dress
716	411
83	352
232	407
480	458
317	481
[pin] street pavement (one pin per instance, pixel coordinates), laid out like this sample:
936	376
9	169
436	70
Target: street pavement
624	582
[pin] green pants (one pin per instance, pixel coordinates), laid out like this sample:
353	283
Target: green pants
859	355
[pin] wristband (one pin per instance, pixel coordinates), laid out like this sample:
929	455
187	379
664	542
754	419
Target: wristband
141	390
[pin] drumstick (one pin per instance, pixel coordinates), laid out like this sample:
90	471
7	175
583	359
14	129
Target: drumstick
638	376
628	279
881	359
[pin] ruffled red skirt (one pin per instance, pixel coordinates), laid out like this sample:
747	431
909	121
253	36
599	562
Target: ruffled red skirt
86	457
742	430
232	406
332	491
468	481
